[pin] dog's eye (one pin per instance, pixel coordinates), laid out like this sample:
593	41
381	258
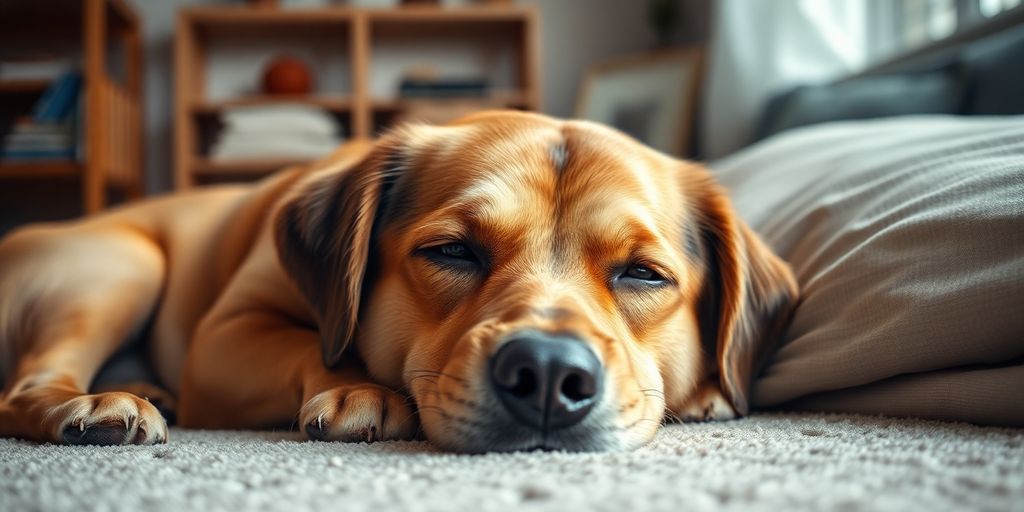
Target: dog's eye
454	250
452	255
642	273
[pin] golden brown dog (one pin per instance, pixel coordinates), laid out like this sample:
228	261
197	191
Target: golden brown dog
509	281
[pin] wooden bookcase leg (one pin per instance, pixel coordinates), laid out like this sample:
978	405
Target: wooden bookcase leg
184	86
362	115
94	31
135	82
530	60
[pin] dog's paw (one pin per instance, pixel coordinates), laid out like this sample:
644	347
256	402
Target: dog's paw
112	418
162	399
707	403
364	412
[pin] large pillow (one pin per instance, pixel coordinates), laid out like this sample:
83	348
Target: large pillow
907	238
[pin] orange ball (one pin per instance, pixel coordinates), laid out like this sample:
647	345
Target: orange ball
287	75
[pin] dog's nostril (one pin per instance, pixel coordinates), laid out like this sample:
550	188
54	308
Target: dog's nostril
526	383
577	388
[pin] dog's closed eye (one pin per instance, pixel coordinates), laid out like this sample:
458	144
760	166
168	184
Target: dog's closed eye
455	256
638	275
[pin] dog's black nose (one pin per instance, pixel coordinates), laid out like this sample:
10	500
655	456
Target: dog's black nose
545	381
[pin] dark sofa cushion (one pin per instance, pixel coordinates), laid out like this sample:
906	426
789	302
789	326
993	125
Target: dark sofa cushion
934	92
981	76
996	69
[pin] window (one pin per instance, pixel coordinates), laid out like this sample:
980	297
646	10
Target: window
922	21
989	8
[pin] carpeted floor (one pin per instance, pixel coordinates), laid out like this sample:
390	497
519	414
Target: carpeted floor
777	462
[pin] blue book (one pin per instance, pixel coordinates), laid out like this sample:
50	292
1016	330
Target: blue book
58	101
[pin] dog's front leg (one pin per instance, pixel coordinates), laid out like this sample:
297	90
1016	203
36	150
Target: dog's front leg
259	369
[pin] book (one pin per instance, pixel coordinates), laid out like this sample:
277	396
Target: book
59	99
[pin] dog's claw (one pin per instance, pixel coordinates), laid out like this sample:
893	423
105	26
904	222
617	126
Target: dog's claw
316	431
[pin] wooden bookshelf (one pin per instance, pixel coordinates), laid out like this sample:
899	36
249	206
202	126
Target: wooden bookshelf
358	32
112	125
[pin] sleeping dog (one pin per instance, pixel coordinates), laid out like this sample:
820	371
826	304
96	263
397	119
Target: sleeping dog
506	282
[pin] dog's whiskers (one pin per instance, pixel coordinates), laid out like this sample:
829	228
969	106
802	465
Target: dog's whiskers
670	417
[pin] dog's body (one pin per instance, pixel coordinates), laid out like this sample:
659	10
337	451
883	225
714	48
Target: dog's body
527	282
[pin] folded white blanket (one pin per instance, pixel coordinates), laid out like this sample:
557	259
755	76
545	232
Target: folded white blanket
276	131
280	118
285	145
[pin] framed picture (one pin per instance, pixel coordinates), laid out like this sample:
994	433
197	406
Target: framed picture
650	97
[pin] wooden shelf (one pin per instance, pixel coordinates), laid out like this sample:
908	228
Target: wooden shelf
331	103
363	35
23	86
105	37
243	168
40	169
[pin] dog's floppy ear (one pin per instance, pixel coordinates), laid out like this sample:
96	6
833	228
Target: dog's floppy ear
323	233
748	295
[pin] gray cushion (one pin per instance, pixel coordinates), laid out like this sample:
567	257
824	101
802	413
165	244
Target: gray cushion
907	238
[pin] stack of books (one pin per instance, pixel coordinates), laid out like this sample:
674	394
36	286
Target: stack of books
443	88
426	82
51	131
285	131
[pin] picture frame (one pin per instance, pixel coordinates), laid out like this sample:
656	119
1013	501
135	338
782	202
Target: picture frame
651	97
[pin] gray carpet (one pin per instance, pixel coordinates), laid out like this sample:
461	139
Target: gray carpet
777	462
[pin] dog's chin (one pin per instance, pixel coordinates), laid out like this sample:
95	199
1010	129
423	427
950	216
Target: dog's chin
494	430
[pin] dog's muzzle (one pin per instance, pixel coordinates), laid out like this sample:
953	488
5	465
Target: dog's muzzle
546	381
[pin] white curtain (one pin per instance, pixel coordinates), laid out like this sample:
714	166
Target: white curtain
762	47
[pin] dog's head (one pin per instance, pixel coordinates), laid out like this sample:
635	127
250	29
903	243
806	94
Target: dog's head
533	282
